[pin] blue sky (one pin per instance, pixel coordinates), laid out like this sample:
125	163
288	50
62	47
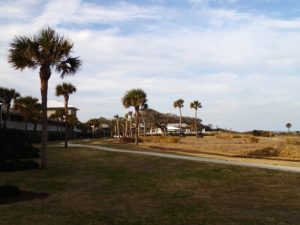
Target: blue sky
240	58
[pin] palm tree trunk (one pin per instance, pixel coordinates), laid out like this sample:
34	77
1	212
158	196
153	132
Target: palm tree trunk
44	92
7	115
126	128
66	122
196	122
137	127
130	127
118	128
180	118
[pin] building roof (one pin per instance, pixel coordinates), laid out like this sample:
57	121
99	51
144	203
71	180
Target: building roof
56	104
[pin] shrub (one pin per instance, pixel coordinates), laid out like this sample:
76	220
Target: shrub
268	151
162	139
224	136
18	165
251	140
8	191
293	141
16	144
263	133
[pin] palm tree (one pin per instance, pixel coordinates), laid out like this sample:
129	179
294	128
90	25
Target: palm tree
130	123
136	98
47	51
126	125
288	126
8	95
65	89
195	105
117	124
58	116
179	104
28	107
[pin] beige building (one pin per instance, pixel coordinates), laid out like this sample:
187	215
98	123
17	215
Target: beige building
53	106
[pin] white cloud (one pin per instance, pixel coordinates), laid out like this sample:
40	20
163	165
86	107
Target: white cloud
245	74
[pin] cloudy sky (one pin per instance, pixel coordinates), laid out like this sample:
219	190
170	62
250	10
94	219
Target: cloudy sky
240	58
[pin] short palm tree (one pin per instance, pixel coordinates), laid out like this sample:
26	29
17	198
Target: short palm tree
58	116
195	105
8	95
46	50
179	104
136	98
117	124
288	126
65	89
28	107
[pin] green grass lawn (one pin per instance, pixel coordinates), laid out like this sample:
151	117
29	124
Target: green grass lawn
92	187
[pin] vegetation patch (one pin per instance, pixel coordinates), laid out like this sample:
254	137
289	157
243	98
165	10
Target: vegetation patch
161	139
293	141
114	188
265	152
251	140
11	194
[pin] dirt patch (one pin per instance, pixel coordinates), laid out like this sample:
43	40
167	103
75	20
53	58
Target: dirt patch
23	196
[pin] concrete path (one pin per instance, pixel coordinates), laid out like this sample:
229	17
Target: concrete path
196	159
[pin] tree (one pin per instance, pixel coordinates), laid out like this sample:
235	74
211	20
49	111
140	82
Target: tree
8	95
65	89
130	123
179	104
46	50
58	116
117	124
136	98
28	107
288	126
195	105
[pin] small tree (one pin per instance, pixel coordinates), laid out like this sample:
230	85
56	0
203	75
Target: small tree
117	125
288	126
8	95
28	107
136	98
196	105
65	90
179	104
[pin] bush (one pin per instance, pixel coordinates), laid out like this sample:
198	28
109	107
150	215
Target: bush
269	151
16	144
8	191
262	133
251	140
18	165
162	139
224	136
293	141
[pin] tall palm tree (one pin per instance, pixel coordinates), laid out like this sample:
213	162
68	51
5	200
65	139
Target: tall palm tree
179	104
8	95
195	105
28	107
288	126
117	124
65	89
136	98
46	50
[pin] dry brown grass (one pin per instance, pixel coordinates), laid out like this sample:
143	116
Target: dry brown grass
161	139
228	145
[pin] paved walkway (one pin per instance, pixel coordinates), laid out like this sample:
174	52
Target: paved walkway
196	159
